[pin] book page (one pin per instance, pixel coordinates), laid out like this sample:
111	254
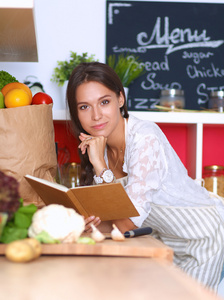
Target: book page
106	201
49	183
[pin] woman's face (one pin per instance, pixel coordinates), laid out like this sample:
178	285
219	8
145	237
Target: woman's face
98	108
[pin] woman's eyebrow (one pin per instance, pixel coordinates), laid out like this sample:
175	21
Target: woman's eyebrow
104	97
86	102
81	103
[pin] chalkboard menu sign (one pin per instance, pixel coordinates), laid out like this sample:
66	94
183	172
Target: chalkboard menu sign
180	44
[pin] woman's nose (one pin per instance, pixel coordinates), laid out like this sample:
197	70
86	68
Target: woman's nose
96	114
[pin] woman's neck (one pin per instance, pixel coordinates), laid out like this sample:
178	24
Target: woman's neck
115	151
116	140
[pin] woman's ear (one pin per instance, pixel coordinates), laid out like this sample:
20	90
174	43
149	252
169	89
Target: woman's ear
121	100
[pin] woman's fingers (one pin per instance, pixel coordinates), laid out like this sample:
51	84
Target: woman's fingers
84	144
95	147
91	220
96	222
84	137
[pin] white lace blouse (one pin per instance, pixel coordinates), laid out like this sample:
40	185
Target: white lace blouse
181	212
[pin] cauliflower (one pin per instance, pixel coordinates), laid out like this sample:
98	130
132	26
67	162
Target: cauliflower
61	223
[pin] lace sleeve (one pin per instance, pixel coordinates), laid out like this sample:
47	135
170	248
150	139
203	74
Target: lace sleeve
146	168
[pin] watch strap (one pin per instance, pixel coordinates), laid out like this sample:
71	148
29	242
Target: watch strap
99	179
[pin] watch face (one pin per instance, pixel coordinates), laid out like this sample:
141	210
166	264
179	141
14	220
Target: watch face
108	176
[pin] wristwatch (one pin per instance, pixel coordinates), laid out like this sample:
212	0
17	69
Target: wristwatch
105	176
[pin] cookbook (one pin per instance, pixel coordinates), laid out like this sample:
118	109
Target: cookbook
106	201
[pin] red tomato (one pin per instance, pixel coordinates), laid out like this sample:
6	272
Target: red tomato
41	98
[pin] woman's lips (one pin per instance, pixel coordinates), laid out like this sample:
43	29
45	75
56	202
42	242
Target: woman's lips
99	126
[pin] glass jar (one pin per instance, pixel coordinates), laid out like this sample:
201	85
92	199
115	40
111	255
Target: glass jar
214	179
70	174
216	100
172	98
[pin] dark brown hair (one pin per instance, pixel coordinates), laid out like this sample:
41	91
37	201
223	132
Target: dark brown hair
85	72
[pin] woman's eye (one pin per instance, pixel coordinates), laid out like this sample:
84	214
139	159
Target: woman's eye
83	107
105	102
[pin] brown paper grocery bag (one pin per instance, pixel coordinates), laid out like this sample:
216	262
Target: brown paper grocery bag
27	146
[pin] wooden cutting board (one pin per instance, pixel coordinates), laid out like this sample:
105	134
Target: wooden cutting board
142	246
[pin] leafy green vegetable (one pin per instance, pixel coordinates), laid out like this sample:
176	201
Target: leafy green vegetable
9	194
11	234
3	220
29	209
6	78
44	237
17	227
22	220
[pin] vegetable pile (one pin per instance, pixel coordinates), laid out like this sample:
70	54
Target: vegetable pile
17	227
6	78
15	94
19	216
9	195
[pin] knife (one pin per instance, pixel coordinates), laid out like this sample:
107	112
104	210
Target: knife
138	232
134	232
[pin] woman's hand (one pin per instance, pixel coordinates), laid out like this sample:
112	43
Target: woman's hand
95	147
91	220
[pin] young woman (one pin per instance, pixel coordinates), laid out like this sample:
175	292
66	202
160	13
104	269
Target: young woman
117	147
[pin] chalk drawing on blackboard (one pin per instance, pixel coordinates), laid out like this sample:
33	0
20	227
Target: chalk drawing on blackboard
177	35
111	10
181	45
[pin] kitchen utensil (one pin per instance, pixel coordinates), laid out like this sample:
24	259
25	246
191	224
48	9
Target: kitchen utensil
138	232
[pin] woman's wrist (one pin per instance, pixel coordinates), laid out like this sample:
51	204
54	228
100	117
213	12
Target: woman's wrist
105	176
99	166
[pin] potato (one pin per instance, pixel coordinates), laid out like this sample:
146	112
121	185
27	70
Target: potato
36	246
19	251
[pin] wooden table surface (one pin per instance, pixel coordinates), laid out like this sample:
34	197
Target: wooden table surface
139	268
97	278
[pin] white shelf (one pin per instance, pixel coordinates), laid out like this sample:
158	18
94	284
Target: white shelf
181	117
195	122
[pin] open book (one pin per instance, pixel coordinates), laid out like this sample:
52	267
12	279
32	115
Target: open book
106	201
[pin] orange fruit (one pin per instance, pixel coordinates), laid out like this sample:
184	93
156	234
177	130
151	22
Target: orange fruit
17	97
16	85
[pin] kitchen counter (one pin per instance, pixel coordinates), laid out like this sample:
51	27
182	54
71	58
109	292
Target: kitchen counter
89	277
